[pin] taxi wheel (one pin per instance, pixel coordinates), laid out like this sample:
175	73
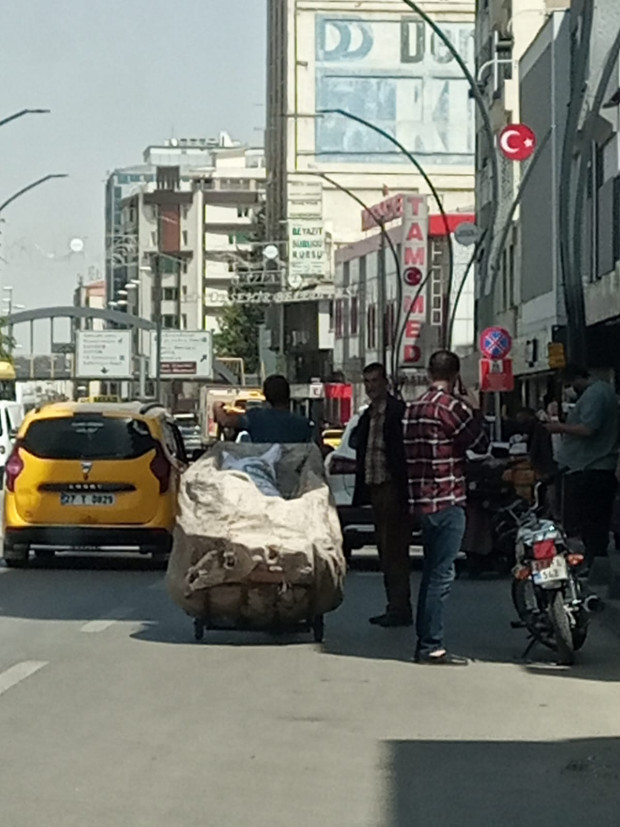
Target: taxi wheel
19	557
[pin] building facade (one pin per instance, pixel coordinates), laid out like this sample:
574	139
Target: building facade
328	64
190	234
188	154
549	234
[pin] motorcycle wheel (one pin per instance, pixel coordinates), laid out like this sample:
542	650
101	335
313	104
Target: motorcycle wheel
560	623
521	591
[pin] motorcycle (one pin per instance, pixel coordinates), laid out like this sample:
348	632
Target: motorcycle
494	513
547	591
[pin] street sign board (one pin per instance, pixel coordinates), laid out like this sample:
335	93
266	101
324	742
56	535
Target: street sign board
495	343
556	355
467	234
517	142
306	248
104	353
184	353
496	376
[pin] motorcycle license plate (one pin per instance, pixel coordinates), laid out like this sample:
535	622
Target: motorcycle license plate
549	571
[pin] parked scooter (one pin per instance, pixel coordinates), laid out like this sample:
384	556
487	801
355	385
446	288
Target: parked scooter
547	591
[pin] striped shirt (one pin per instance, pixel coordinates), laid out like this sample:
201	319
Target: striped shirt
438	430
376	470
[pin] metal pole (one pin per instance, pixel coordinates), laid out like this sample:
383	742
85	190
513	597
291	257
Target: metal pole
157	313
52	348
486	122
497	425
32	350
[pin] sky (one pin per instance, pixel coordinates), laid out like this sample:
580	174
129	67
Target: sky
118	75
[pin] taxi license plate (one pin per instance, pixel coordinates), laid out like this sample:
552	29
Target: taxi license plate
70	498
543	573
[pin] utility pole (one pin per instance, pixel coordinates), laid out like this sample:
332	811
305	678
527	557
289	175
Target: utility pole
157	298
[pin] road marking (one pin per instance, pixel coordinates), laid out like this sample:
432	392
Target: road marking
15	674
157	586
103	623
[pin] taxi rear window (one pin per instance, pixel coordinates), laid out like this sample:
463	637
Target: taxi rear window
91	437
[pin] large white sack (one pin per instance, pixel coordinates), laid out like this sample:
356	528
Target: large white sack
241	556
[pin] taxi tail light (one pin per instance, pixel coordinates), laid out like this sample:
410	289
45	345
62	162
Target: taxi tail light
13	468
161	468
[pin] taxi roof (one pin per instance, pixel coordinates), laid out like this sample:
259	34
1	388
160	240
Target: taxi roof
136	409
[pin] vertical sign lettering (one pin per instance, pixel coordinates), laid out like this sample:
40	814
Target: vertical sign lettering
414	266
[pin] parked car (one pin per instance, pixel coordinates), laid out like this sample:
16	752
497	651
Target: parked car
357	524
11	417
358	529
189	428
92	475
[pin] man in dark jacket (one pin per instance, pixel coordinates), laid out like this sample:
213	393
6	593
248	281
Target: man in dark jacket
381	481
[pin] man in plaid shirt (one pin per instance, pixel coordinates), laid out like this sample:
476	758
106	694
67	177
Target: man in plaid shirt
439	428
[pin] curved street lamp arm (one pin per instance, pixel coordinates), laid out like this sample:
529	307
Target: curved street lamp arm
422	172
388	241
34	184
486	121
22	113
459	292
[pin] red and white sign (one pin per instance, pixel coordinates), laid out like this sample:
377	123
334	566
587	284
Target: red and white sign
414	267
495	343
383	213
496	376
517	142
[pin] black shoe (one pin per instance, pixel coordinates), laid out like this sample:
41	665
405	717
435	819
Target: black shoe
388	621
446	659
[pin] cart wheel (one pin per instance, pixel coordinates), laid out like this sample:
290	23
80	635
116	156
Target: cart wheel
318	628
199	630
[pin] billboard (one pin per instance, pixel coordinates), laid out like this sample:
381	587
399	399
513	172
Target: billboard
306	249
185	354
394	71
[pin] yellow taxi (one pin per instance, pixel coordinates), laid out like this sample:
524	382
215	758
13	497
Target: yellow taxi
332	437
100	476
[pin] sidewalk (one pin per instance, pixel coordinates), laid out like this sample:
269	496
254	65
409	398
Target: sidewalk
605	582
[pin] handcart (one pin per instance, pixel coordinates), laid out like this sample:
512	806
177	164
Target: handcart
244	561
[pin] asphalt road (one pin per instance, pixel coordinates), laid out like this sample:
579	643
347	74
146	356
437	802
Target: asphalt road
111	715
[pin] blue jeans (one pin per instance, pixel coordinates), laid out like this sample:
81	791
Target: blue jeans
442	535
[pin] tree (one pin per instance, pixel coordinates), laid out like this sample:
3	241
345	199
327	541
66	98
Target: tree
7	344
240	323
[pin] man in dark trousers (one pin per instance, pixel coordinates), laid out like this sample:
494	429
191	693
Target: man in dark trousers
381	481
589	457
439	429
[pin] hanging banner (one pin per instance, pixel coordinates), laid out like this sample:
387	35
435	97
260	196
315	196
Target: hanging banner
414	269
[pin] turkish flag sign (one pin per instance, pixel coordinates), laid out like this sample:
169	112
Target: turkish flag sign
517	142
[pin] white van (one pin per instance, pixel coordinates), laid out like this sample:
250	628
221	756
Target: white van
11	417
